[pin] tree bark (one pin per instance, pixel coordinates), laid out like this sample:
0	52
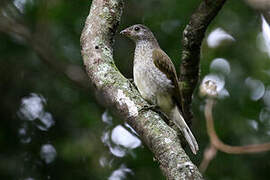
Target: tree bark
115	91
192	39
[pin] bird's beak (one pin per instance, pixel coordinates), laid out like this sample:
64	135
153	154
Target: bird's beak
125	32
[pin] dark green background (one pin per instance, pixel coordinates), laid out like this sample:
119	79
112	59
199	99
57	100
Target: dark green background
76	134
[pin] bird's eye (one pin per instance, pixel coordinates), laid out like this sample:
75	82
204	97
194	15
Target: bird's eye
136	28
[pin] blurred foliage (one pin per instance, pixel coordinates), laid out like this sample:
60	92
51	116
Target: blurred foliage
77	132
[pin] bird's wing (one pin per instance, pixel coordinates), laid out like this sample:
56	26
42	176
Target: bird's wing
165	65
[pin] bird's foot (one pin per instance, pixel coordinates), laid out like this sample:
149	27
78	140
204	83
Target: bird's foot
156	109
149	107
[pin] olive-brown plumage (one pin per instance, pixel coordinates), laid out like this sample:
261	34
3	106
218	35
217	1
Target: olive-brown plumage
156	78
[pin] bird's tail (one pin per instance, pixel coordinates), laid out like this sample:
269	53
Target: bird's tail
179	121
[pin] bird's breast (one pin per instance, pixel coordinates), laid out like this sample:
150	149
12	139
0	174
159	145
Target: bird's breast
149	80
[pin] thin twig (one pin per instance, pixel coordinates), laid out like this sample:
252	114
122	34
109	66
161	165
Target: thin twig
254	148
209	153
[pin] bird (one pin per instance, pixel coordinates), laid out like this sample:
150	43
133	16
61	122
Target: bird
156	80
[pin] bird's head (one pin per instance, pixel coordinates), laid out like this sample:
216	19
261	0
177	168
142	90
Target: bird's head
138	32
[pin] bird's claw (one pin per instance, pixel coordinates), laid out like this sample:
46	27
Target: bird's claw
154	108
149	107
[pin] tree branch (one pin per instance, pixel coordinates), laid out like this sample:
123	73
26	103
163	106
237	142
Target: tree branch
192	38
117	92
